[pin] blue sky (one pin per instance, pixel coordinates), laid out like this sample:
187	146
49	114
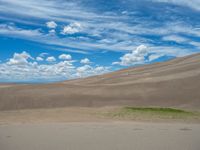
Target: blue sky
44	41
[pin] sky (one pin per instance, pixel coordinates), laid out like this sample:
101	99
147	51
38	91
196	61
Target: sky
55	40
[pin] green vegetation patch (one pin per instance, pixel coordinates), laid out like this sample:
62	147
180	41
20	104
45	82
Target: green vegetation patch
156	110
152	113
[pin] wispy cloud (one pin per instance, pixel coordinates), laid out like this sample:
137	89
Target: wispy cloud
12	30
99	31
194	4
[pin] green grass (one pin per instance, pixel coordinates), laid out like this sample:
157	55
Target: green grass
152	113
155	110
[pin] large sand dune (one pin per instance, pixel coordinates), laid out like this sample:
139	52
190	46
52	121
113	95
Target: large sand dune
175	83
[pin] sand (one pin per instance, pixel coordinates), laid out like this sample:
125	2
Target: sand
100	136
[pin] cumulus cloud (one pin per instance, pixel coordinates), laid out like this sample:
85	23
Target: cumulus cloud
87	70
51	25
19	59
22	68
39	58
65	57
85	61
51	59
72	28
135	57
84	68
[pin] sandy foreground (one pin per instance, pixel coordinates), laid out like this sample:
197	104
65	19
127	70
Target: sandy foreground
84	129
100	136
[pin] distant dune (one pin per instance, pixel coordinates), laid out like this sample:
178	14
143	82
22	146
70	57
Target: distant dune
175	83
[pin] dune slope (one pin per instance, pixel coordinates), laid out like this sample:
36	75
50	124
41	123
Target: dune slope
175	83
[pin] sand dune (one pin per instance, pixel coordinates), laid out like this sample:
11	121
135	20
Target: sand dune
175	83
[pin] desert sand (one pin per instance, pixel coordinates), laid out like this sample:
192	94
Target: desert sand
100	136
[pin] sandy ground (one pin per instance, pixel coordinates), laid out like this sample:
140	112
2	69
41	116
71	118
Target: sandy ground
78	114
84	114
88	129
100	136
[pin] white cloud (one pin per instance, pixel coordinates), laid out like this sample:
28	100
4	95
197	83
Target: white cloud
135	57
100	69
110	26
175	38
181	40
39	58
51	59
194	4
10	29
87	70
65	57
85	61
51	25
52	31
122	33
154	56
72	28
43	54
124	12
197	44
22	68
84	68
19	59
